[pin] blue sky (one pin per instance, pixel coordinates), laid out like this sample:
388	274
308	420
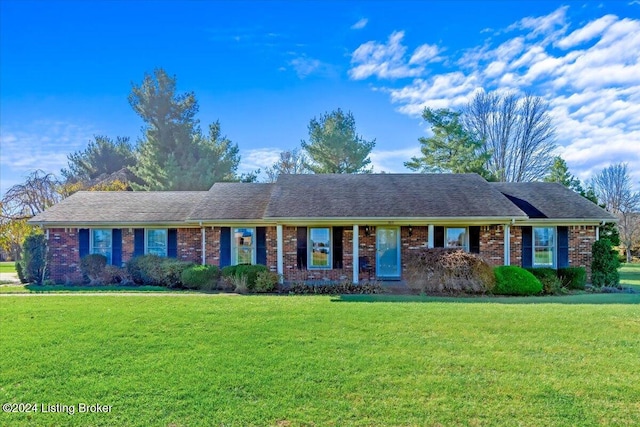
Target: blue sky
265	68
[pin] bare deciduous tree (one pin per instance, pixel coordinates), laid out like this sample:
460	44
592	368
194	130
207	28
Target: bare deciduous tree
39	191
291	162
517	133
613	188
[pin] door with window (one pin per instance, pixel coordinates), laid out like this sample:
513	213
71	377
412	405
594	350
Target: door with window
388	252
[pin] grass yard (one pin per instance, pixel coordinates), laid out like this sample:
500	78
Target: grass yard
286	361
7	267
630	275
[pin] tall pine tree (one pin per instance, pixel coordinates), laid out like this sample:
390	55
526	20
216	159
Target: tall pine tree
173	153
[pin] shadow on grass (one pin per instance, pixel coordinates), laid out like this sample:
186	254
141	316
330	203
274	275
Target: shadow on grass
620	298
108	288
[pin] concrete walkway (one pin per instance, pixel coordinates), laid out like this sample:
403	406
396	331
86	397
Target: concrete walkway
12	278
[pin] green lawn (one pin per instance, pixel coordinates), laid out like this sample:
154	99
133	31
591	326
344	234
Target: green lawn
7	267
319	361
630	275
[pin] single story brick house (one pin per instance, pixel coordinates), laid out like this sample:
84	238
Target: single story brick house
328	227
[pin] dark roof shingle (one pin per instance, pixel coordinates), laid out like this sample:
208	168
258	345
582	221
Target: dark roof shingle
387	196
550	200
130	207
233	201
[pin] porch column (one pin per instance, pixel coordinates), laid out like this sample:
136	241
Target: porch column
430	236
507	244
280	252
597	233
356	254
204	244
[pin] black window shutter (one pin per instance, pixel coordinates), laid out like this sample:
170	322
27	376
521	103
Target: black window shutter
83	242
438	237
337	247
527	247
563	247
172	243
116	248
474	239
261	245
225	246
138	242
302	248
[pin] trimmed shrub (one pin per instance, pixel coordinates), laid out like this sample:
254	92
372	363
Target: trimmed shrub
203	277
604	264
153	270
449	271
249	270
34	259
266	281
92	266
551	284
512	280
112	275
333	288
20	273
573	277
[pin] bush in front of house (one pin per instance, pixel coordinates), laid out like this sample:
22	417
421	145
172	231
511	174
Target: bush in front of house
551	283
447	271
604	264
202	277
266	281
153	270
34	259
333	288
573	277
512	280
250	271
92	266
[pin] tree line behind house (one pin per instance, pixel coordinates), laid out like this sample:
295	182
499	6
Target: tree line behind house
502	137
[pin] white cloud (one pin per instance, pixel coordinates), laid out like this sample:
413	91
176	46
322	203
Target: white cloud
586	33
589	73
388	61
360	24
305	66
42	145
392	161
260	158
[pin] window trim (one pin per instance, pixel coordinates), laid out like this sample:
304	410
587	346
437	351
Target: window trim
234	247
166	241
465	244
310	266
554	248
92	245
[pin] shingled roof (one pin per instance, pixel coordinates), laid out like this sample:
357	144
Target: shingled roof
549	200
388	196
126	207
233	201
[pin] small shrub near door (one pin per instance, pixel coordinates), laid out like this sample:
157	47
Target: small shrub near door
604	264
451	271
551	284
92	266
573	277
202	277
266	281
152	270
512	280
249	271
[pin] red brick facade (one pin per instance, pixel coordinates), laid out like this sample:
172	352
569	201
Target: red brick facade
64	249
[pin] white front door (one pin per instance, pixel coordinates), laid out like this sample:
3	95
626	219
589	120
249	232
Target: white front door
388	252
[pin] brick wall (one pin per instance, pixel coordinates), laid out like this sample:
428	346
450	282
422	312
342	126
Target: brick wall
581	238
63	255
190	244
516	246
492	244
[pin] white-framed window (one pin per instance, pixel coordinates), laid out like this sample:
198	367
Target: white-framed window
156	241
455	237
319	247
243	246
102	243
544	246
